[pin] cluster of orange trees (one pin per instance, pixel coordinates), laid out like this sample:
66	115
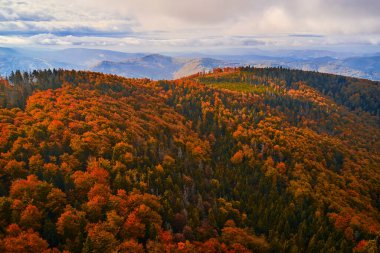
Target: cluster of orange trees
238	160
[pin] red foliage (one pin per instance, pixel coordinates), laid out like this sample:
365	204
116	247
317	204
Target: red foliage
18	241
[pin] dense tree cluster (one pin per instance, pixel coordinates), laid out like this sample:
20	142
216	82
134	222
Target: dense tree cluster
355	94
237	160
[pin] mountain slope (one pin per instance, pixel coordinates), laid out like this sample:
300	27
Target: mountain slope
360	67
151	66
87	58
12	60
198	65
237	160
159	67
71	58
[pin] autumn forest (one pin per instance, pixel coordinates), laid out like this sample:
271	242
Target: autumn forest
236	160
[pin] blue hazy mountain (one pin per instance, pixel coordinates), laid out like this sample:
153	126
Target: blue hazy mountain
156	66
87	58
13	59
71	58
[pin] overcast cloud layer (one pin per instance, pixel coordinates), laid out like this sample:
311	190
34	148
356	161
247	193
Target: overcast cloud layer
164	25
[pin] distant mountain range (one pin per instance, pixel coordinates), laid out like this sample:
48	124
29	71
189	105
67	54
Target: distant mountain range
367	67
156	66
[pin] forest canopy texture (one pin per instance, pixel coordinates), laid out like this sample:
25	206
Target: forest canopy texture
237	160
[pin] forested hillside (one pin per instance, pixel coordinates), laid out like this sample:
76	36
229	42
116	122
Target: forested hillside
237	160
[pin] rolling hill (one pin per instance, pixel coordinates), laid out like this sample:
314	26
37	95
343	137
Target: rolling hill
236	160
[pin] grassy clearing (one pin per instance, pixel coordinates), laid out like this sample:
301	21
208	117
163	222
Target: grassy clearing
242	87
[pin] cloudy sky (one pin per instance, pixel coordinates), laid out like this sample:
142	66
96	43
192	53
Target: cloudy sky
196	25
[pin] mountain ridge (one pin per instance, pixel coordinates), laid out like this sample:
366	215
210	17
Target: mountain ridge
172	67
157	66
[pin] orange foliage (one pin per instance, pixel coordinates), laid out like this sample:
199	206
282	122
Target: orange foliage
17	240
238	157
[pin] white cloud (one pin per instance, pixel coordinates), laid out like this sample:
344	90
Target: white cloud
13	40
197	23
